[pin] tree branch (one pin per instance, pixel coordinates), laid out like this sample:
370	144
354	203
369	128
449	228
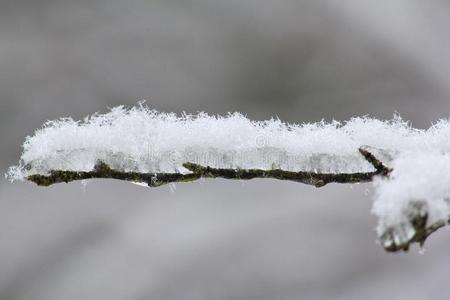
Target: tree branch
102	170
418	218
418	215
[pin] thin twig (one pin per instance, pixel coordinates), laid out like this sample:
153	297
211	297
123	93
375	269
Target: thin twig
101	170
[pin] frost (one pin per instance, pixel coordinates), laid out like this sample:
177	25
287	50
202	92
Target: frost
142	140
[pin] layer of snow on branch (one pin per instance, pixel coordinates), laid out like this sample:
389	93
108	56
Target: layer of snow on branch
143	140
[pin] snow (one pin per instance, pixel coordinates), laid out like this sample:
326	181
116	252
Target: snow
144	140
418	177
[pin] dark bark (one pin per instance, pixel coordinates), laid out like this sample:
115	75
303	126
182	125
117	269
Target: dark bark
102	170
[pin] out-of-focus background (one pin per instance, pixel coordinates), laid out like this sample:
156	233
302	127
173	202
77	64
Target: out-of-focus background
299	60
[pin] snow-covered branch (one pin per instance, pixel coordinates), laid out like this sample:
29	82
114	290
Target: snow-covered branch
410	168
103	170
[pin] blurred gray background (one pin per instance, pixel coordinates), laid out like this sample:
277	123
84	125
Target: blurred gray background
299	60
